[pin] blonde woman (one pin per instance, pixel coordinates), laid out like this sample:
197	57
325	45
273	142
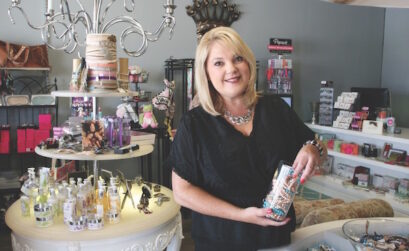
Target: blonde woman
227	149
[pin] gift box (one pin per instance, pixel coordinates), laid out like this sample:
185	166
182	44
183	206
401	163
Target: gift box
5	139
30	139
350	148
21	139
41	135
44	121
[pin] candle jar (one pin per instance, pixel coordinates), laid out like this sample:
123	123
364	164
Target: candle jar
280	198
43	215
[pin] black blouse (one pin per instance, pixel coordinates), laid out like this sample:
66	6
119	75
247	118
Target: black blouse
210	153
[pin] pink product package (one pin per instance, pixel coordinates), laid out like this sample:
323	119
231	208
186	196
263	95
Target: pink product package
44	121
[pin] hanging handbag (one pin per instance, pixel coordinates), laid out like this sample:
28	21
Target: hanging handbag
23	56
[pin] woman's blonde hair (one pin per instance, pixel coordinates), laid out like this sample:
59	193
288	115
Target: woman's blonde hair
209	98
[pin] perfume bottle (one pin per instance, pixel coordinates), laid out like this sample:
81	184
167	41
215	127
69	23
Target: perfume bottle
52	201
101	201
30	186
69	206
81	203
114	205
61	197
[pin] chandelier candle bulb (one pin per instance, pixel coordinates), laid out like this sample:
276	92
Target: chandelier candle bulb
50	6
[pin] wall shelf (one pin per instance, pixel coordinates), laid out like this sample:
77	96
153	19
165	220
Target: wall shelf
333	187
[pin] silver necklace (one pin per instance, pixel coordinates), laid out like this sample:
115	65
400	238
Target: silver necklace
238	120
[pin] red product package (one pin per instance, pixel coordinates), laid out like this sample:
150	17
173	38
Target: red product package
44	121
30	139
350	148
41	135
21	139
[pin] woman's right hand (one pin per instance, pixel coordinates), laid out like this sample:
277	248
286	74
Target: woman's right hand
257	216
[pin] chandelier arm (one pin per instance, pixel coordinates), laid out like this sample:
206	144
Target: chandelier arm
135	28
107	7
132	4
142	48
121	19
97	21
62	27
45	34
152	37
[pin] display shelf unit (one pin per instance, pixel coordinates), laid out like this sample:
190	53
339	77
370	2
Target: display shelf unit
106	94
402	138
55	154
157	231
136	231
376	165
91	156
332	186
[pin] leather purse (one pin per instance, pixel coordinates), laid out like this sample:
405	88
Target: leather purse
42	99
23	56
12	100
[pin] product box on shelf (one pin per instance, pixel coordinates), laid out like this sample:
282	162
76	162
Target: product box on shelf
326	103
344	171
4	139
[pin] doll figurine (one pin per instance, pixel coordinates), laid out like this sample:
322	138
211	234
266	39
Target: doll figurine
147	118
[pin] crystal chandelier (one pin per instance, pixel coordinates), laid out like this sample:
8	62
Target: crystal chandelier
60	29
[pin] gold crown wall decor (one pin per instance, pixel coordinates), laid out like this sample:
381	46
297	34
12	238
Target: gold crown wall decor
209	14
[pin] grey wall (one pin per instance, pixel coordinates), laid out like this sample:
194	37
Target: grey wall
332	42
396	63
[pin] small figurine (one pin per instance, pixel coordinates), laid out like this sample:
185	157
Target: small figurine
148	118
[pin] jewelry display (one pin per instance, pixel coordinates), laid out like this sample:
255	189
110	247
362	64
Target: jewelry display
239	120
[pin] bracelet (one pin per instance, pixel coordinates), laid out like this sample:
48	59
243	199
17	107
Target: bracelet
317	145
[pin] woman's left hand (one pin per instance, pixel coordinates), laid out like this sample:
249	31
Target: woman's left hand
307	159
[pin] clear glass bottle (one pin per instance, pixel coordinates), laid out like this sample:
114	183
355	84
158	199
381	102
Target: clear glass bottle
30	187
53	202
42	196
82	200
113	196
61	197
101	201
69	206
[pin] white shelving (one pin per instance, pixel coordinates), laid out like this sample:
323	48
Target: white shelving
376	165
403	137
333	186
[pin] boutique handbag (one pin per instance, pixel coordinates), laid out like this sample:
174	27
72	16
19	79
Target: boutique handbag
42	99
23	56
17	100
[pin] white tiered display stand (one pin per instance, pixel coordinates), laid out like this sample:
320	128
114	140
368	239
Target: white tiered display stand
136	231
